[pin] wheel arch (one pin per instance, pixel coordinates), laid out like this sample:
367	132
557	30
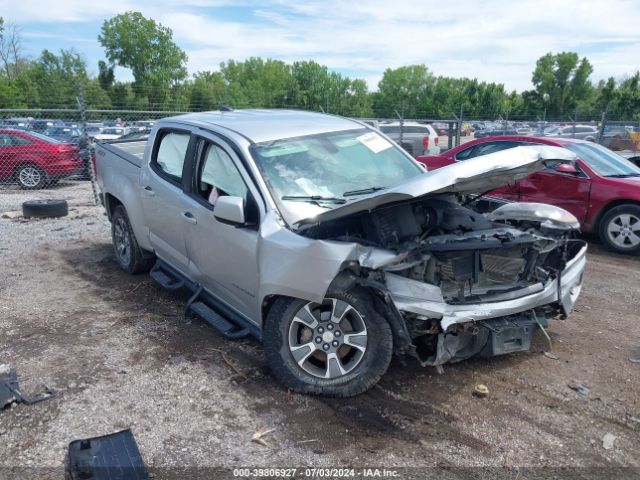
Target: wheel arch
348	279
110	204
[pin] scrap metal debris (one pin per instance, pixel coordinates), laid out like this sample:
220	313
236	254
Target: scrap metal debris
110	456
580	388
635	356
550	355
257	437
608	441
10	389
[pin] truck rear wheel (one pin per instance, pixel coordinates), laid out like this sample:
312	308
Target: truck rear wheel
339	347
125	246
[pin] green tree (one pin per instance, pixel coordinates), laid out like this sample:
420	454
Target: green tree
130	40
404	89
564	77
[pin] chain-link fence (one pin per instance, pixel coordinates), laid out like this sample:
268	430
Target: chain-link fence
41	147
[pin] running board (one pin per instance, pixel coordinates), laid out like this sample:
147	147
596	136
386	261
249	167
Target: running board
164	278
213	318
204	305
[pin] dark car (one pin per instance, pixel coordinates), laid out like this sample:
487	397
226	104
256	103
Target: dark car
64	134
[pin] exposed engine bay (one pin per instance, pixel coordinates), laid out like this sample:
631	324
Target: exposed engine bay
451	259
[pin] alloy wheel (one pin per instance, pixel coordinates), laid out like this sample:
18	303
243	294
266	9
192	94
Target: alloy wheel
624	231
122	240
30	177
329	339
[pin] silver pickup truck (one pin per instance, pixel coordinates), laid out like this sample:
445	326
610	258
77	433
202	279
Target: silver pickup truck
322	238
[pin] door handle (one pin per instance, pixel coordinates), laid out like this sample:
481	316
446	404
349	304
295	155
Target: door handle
188	216
148	191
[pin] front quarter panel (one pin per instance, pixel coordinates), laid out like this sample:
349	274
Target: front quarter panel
294	266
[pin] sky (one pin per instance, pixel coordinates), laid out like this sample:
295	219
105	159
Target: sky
491	40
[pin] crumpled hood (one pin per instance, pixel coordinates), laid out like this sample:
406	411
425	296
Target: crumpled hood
476	175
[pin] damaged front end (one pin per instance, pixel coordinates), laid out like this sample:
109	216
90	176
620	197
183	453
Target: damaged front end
463	282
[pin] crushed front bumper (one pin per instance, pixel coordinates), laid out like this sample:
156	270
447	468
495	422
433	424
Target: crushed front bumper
426	300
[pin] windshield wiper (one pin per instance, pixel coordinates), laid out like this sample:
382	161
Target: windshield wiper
314	199
623	175
362	191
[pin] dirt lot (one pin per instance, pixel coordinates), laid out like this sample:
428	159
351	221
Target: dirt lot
120	354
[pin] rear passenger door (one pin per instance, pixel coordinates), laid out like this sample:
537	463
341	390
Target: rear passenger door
163	200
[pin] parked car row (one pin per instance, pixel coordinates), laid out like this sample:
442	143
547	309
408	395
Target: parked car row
69	131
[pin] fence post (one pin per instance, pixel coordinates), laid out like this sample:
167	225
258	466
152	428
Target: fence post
83	143
574	120
603	123
401	117
459	126
450	135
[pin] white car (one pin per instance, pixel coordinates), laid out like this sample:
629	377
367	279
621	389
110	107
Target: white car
417	138
111	133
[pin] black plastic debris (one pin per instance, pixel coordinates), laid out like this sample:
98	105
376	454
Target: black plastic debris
580	388
110	457
10	389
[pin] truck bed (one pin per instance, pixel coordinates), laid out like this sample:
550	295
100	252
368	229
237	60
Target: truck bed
130	150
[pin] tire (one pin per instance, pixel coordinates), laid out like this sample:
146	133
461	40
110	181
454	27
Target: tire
45	208
590	139
128	253
620	229
307	351
31	177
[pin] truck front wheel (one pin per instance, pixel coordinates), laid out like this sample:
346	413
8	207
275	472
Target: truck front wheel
125	246
339	347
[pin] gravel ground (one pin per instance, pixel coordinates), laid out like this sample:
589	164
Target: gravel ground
120	354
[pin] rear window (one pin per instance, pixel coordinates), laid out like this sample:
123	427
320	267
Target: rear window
171	154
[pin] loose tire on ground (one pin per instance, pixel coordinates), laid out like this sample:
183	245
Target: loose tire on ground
45	208
362	372
620	229
128	253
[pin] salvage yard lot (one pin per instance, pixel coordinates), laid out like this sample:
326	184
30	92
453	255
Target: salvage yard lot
119	353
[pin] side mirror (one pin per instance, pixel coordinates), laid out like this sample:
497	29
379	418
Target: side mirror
568	168
229	210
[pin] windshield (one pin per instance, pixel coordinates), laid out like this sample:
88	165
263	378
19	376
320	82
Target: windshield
551	130
603	161
329	169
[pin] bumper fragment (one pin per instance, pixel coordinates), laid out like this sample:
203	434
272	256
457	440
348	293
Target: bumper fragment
426	300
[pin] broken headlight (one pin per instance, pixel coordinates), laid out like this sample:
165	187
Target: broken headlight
549	216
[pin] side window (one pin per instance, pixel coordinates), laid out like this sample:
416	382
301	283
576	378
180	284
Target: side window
465	154
416	129
17	140
492	147
389	129
171	153
5	141
218	175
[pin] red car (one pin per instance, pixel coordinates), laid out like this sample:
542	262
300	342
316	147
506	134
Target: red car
34	160
601	188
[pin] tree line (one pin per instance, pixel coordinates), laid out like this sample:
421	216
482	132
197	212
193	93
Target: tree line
561	83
